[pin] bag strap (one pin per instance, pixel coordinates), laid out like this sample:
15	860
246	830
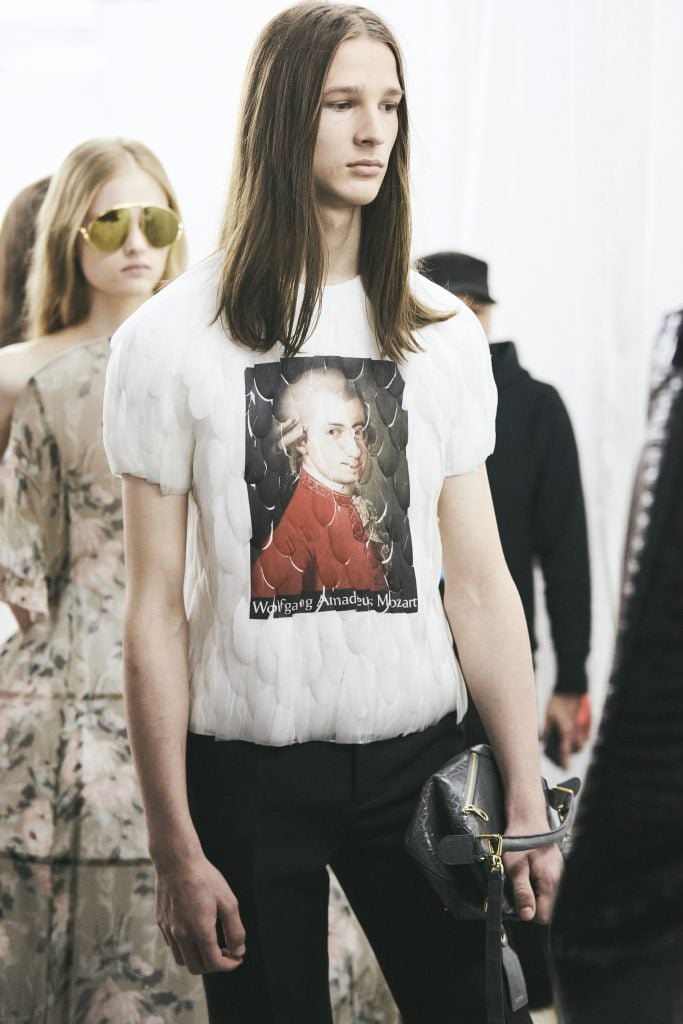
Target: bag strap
501	959
495	993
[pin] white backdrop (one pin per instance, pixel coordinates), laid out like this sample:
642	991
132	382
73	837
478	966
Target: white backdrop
546	140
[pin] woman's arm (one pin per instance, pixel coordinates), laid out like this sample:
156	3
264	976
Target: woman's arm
192	896
485	614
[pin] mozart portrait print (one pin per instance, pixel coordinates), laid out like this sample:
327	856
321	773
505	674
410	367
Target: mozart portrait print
328	483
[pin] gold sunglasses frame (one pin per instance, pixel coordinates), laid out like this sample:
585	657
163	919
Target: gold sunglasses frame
130	206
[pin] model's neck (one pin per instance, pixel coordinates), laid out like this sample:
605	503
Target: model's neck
341	229
107	313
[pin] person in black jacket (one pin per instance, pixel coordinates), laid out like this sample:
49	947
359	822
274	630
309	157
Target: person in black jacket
538	498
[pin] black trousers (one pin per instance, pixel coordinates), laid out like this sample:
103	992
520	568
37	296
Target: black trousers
272	818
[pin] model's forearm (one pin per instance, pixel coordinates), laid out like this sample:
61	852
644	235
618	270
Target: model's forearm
157	709
493	647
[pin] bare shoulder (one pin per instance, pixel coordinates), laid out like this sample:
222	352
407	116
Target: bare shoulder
20	362
15	371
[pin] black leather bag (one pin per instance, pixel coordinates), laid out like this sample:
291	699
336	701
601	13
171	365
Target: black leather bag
457	838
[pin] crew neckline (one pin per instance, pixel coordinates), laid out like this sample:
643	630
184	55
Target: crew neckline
340	284
343	284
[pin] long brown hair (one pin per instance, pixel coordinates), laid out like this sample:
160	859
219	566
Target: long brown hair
17	237
272	232
58	293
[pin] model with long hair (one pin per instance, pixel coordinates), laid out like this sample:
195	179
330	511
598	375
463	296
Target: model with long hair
287	716
76	887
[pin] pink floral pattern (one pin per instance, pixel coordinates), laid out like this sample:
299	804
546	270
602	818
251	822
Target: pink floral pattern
78	940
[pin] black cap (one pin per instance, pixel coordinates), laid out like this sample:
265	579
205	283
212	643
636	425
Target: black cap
459	273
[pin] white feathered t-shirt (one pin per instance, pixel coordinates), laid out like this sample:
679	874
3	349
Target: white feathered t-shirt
314	555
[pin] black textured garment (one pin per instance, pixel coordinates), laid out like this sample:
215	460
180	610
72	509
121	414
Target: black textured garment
621	900
536	487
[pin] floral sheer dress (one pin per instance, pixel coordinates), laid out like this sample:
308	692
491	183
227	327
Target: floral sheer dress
78	940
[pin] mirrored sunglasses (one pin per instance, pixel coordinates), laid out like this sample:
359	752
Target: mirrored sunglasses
109	231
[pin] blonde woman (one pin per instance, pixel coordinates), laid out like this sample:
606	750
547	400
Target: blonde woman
77	939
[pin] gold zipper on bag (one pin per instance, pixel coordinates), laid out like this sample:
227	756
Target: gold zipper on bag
469	807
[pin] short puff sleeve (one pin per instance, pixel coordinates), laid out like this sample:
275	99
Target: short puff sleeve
33	520
148	428
472	432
